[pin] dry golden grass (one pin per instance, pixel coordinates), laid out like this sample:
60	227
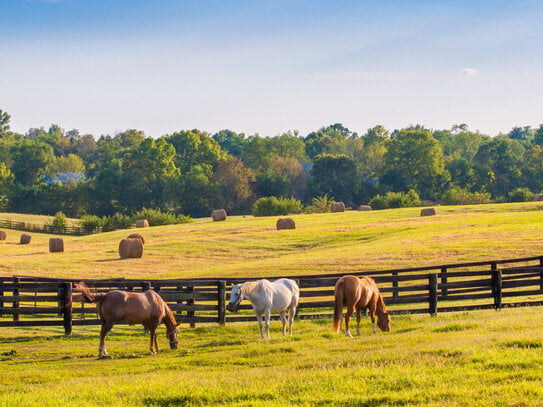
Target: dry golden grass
321	243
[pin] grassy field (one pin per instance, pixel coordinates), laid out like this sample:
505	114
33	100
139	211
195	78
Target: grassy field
476	358
322	243
479	358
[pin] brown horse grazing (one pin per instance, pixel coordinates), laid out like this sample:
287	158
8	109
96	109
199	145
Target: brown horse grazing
146	308
359	293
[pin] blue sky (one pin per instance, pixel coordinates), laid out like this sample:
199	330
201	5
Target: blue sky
268	67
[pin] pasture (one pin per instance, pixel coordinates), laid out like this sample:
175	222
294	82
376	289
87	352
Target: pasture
476	358
471	358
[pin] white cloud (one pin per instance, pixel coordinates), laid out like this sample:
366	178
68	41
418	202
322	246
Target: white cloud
469	71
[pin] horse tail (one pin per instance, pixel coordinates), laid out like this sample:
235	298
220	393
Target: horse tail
87	295
338	305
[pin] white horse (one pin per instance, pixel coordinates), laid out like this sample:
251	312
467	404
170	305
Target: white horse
267	297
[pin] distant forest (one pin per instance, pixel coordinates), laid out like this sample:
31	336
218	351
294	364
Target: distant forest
192	172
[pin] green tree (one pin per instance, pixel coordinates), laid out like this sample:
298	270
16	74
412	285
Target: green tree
328	140
29	161
195	148
4	122
146	170
192	192
231	142
235	184
414	160
335	175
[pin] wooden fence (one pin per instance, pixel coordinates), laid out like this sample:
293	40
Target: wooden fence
33	227
35	301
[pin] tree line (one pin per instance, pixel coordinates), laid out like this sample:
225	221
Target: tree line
192	172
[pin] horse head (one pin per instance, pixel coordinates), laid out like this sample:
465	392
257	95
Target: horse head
172	337
383	321
236	296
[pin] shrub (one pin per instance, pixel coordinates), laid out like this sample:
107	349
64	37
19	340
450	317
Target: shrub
272	206
156	217
396	200
320	204
521	195
90	224
59	223
461	196
116	221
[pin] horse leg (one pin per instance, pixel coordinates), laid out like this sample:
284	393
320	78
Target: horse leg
153	345
373	307
267	320
152	326
106	327
284	321
350	310
358	316
259	319
291	313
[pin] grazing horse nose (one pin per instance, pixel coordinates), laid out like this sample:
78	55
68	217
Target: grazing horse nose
231	307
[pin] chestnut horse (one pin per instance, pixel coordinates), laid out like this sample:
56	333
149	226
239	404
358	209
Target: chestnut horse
358	293
146	308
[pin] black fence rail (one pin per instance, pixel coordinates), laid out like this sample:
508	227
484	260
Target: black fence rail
37	301
43	228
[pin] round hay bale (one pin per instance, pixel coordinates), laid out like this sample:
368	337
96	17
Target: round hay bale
142	223
130	249
285	223
137	236
56	245
337	207
364	208
218	215
25	239
3	235
428	212
538	197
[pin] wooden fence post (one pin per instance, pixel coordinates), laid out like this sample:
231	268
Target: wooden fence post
496	285
66	289
1	297
190	312
432	300
444	281
15	293
179	301
221	294
394	284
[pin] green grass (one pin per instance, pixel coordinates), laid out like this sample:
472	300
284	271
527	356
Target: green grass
478	358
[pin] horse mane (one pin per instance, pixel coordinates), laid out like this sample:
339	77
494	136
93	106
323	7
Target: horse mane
250	286
86	293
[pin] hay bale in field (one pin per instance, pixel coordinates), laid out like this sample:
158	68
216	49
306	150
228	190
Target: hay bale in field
538	197
142	223
218	215
25	239
337	207
3	235
364	208
137	236
428	212
130	249
285	223
56	245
